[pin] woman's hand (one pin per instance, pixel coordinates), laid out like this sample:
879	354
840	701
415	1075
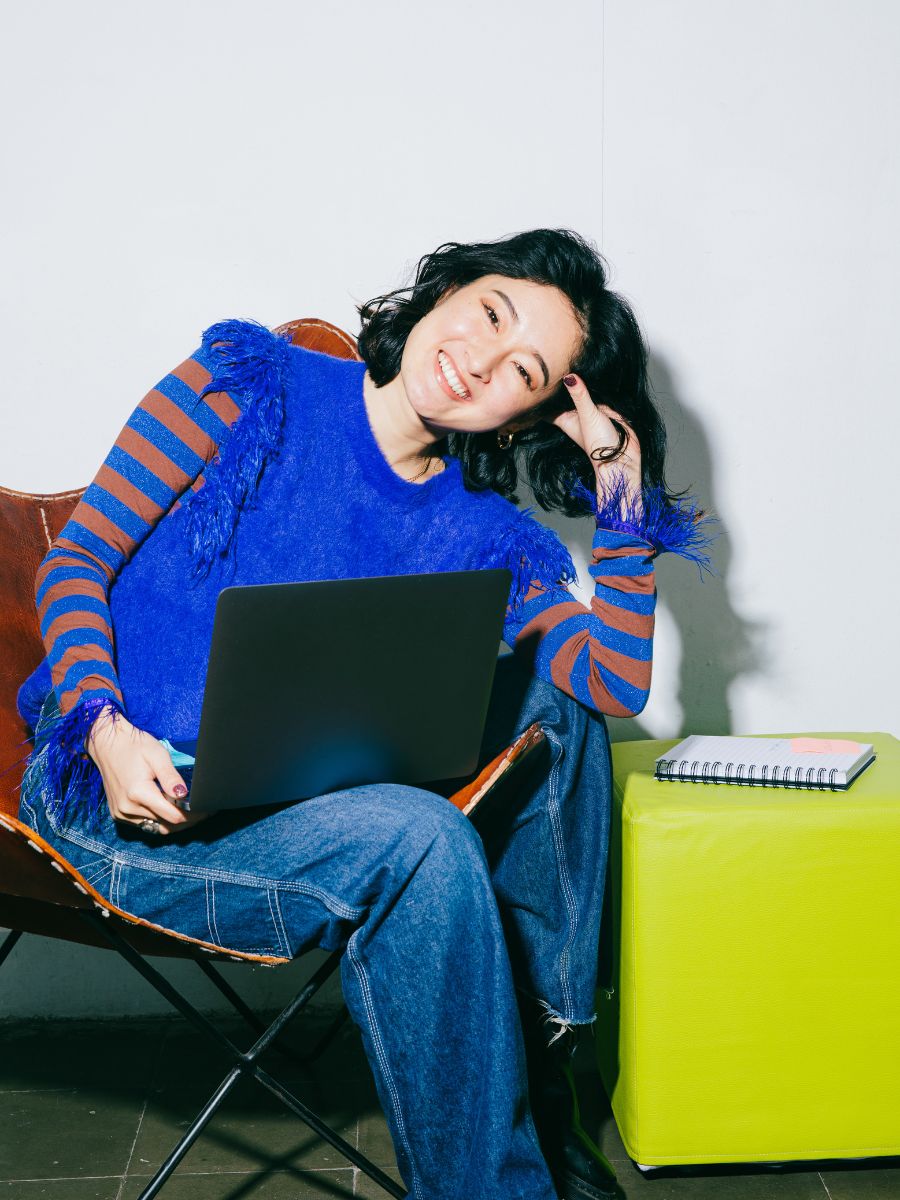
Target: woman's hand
590	426
140	782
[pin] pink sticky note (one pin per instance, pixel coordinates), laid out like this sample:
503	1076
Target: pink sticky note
824	746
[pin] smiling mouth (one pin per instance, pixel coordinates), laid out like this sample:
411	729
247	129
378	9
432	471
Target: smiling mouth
450	376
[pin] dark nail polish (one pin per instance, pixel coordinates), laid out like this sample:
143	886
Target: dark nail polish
569	380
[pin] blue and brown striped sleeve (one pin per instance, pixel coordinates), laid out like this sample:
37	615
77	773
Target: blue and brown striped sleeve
159	455
601	655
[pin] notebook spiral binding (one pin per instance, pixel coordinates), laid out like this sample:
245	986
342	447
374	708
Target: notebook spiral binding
685	770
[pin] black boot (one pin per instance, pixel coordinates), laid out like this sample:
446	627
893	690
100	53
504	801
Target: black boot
580	1169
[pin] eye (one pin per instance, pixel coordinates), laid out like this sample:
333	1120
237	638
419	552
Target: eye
492	316
523	373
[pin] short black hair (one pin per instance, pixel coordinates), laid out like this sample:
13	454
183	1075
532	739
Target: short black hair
612	361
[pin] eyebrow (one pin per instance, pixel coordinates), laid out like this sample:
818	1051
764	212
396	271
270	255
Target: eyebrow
515	316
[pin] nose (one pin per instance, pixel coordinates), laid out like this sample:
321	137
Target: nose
481	360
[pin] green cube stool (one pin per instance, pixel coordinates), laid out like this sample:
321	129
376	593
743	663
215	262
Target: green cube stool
752	1012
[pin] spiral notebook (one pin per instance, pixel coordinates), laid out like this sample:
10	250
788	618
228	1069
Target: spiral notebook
803	762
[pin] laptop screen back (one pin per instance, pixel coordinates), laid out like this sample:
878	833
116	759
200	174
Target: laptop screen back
315	687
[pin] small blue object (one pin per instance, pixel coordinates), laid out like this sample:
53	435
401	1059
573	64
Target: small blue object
178	757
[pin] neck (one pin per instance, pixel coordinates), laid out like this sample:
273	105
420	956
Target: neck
403	439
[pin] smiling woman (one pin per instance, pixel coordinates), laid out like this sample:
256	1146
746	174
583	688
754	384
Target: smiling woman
256	461
543	295
473	365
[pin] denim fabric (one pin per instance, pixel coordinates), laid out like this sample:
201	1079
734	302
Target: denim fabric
442	921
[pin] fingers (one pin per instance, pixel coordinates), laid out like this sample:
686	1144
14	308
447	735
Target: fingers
139	779
632	444
580	396
137	816
150	801
599	436
156	797
171	782
159	795
604	435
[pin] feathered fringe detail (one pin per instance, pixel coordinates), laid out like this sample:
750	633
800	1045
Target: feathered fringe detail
70	776
677	527
31	695
531	551
251	363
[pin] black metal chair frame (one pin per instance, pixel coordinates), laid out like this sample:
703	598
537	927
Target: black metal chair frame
105	921
243	1063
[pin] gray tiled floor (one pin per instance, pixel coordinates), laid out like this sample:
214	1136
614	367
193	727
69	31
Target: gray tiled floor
88	1111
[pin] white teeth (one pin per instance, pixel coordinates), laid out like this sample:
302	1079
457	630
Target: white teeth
450	375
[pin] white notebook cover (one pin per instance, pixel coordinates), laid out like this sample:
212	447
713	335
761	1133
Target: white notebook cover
752	760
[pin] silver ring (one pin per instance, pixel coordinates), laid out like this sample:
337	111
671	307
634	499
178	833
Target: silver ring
149	826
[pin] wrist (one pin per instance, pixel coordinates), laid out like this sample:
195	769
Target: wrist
619	495
102	733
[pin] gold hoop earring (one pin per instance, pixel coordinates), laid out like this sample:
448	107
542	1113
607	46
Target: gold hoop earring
504	440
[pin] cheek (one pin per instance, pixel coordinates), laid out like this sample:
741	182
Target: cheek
503	406
416	359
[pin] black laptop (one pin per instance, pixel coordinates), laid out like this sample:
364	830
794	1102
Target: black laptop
315	687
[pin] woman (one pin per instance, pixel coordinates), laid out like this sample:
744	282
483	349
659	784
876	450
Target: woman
256	461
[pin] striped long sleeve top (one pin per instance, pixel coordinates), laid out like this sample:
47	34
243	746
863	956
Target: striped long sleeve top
600	654
157	458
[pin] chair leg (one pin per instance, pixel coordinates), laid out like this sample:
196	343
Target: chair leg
258	1026
231	996
7	944
244	1063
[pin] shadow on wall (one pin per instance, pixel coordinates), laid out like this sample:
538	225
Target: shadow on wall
717	644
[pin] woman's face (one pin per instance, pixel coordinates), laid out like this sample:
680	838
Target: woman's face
488	354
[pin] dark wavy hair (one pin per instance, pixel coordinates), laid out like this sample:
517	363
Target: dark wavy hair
612	361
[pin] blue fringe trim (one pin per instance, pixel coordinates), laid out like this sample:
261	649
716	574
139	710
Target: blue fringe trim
675	527
530	551
70	776
31	695
251	366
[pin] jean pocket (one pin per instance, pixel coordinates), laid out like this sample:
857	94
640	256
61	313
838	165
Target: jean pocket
235	916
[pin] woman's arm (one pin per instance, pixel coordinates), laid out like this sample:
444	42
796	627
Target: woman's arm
157	458
159	455
187	422
603	654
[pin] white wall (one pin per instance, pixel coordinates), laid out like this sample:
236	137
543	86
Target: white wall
171	164
750	199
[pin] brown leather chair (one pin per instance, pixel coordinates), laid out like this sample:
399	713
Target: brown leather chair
41	892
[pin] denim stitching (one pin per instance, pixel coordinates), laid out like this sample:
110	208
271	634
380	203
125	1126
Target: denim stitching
188	872
32	815
568	894
98	872
280	933
382	1058
281	923
212	926
23	790
211	922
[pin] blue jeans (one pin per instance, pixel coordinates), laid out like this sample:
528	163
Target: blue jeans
442	921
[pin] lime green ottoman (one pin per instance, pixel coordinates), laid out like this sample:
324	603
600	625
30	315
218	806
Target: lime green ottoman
753	1006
